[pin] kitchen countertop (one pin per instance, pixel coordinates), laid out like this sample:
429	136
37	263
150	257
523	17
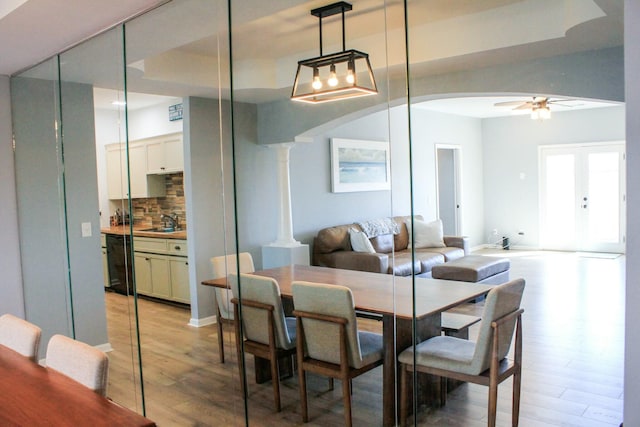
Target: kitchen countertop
137	231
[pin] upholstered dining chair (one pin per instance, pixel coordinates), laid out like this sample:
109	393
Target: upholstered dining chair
20	336
483	362
267	332
222	266
79	361
329	342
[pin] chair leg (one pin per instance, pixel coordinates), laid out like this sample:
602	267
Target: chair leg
275	379
493	403
302	380
515	408
220	338
404	394
346	397
443	391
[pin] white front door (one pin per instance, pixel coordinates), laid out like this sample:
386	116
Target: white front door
582	198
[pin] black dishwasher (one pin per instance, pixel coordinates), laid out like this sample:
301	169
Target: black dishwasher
119	260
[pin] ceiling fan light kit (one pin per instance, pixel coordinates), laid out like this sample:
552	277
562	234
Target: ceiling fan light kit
335	76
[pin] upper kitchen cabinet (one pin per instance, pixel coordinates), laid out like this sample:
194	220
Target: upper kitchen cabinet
142	185
165	154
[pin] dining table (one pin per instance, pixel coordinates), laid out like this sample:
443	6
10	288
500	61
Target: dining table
403	303
33	395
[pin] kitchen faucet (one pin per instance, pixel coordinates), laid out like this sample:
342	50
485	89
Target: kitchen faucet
171	218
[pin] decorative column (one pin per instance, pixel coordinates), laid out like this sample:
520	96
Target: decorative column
285	250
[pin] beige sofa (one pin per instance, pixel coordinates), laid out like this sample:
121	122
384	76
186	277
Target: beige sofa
332	248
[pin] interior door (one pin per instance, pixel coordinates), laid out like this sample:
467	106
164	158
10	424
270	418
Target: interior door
582	198
448	188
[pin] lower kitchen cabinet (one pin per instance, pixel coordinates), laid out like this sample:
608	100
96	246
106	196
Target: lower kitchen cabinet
159	275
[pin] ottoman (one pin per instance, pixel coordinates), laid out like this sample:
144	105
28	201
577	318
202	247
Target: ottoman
475	269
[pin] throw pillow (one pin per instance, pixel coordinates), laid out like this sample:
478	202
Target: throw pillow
427	234
360	242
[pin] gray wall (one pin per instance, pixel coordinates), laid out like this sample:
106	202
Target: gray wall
209	190
44	217
11	298
510	148
632	331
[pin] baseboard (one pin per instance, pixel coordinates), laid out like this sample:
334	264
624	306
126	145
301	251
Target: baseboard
205	321
106	347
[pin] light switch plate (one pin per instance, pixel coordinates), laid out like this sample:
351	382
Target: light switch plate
86	229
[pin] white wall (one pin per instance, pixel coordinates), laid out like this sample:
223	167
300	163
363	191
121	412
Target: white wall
11	297
510	149
632	331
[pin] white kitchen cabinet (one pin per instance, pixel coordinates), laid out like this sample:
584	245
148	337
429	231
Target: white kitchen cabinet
161	268
165	155
179	268
142	185
116	172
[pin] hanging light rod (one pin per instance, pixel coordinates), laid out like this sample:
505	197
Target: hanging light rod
339	68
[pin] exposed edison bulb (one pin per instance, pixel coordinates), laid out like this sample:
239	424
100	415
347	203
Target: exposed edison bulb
333	79
544	113
317	83
351	78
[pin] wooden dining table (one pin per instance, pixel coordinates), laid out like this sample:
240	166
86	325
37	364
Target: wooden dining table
395	299
32	395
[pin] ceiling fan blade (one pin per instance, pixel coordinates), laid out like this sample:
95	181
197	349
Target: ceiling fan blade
508	103
567	105
525	106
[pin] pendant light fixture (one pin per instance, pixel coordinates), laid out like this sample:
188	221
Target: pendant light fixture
334	76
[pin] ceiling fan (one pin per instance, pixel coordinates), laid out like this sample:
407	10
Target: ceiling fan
539	106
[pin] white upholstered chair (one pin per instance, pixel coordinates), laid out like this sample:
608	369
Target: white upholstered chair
20	336
79	361
329	342
267	332
483	362
223	266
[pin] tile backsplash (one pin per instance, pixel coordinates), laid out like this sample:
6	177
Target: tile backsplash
148	211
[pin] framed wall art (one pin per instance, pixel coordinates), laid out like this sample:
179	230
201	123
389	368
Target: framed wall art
358	165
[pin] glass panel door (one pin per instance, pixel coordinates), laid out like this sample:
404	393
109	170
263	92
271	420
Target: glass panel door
582	198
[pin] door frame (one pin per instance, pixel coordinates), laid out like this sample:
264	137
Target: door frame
457	170
623	190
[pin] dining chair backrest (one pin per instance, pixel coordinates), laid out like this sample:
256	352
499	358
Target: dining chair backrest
20	335
224	265
501	300
79	361
322	339
263	290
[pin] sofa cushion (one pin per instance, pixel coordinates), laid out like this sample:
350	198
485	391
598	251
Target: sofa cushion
360	242
426	234
383	244
428	260
400	264
449	253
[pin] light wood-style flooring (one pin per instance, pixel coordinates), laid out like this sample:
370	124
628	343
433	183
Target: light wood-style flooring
573	332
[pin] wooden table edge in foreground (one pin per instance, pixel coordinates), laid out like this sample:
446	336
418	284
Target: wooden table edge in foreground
392	297
31	394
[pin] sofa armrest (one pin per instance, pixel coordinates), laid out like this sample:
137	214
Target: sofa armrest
461	242
350	260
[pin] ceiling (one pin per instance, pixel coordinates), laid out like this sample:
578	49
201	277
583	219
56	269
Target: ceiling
271	36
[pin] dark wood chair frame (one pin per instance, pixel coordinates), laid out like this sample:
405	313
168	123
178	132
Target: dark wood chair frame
342	371
219	324
264	351
498	371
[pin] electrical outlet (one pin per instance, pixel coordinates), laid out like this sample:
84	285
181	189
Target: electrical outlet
495	232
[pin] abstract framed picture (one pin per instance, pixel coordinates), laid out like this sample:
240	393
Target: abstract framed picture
358	165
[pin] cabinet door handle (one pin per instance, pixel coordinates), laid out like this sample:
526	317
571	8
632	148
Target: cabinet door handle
177	248
147	259
186	263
